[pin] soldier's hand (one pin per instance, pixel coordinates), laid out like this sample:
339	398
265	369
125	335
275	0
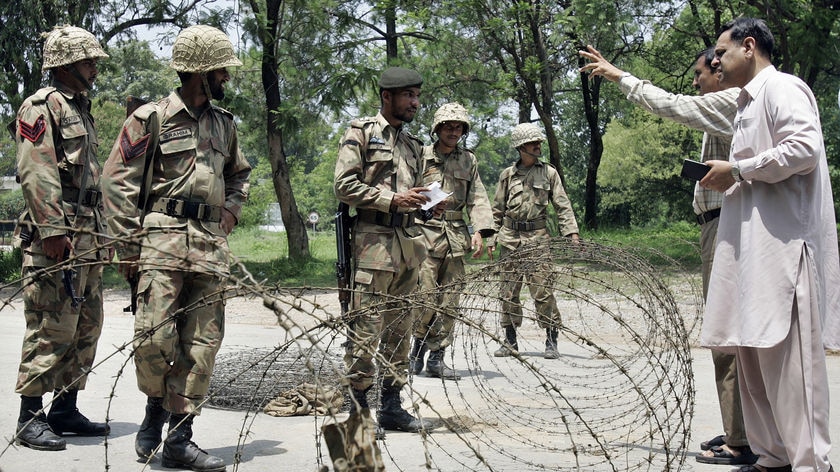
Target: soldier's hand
440	209
228	221
56	246
128	267
411	199
477	245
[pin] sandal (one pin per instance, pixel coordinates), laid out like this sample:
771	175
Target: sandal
723	455
716	441
762	468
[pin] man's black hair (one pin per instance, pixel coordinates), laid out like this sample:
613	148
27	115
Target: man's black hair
755	28
708	56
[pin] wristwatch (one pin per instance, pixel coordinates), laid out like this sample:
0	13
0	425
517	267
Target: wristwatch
736	173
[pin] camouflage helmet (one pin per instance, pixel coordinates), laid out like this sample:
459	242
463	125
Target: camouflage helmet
451	112
202	48
69	44
525	133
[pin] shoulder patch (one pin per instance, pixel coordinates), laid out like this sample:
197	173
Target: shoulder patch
350	142
362	122
132	150
33	131
41	95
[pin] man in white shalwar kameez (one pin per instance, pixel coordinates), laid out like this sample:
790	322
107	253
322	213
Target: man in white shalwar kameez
774	292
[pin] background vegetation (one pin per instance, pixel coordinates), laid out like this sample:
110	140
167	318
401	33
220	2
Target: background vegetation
311	66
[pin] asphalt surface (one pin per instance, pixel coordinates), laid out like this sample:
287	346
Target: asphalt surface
262	442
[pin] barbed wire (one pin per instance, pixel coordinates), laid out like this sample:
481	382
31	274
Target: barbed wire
620	397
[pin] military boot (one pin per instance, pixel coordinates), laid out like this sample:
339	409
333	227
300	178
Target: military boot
418	352
65	418
33	431
150	434
436	366
179	452
551	344
510	346
359	403
393	417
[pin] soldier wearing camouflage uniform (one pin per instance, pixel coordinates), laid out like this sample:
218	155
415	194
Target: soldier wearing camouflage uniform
59	175
520	210
379	172
447	237
198	183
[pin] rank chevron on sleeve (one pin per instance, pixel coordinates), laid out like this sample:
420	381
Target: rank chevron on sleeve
33	132
130	150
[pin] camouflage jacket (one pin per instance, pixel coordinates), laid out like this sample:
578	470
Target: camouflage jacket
56	154
457	173
375	161
524	195
197	160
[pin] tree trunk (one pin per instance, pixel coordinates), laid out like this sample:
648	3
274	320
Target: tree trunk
295	226
591	91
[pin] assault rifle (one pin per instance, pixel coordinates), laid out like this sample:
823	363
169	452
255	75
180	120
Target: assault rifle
67	276
344	264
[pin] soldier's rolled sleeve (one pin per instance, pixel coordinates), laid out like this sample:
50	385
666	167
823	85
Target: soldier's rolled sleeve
565	214
237	172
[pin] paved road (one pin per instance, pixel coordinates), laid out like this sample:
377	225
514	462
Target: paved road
271	444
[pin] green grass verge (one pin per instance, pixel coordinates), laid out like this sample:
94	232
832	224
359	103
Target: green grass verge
266	255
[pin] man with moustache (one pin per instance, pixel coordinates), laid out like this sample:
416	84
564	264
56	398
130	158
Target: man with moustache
59	176
774	292
379	172
447	237
174	186
712	112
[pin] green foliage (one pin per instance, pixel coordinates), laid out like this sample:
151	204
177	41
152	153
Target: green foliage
11	205
265	256
10	263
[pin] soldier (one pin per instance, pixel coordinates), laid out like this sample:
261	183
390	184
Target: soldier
59	176
519	210
447	237
176	238
380	172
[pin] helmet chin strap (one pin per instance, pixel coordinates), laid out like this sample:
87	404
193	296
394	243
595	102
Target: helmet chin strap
206	85
535	156
75	73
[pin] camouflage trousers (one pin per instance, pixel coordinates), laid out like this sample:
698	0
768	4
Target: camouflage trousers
59	345
436	318
380	323
178	331
539	284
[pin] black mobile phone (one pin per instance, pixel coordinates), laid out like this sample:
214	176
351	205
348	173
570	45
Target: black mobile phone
694	170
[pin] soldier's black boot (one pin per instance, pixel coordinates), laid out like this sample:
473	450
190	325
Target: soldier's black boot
65	418
150	434
37	433
510	346
436	366
551	344
359	402
179	452
393	417
416	358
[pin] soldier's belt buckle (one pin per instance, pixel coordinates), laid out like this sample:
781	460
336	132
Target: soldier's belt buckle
396	219
172	207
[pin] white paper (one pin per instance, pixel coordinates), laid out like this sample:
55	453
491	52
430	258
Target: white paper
435	194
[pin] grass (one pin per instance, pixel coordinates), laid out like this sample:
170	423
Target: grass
266	255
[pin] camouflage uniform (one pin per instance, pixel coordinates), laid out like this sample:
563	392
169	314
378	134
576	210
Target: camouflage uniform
57	146
59	175
448	238
184	258
375	161
519	212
